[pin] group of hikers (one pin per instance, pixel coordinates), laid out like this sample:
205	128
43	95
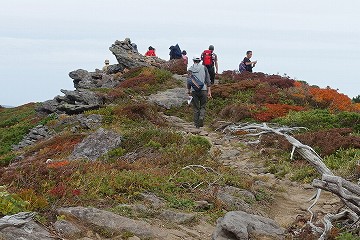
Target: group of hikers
200	77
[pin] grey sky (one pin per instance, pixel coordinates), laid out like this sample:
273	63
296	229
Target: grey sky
41	40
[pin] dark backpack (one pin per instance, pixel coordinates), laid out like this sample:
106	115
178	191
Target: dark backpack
175	52
242	67
207	58
195	83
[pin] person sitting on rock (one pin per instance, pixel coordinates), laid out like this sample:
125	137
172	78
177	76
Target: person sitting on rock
105	68
151	52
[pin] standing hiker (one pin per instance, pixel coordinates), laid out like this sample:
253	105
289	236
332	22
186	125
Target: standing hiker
210	61
184	57
249	65
199	89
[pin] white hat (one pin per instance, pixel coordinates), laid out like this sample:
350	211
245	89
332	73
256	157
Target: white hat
196	59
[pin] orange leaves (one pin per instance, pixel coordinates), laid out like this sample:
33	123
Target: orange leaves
331	98
58	164
275	110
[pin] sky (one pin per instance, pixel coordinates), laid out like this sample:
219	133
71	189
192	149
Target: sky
41	41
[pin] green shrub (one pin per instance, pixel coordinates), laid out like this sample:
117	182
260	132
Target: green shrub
11	203
347	236
200	141
321	119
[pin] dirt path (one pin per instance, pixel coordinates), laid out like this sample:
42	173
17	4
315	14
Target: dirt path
290	199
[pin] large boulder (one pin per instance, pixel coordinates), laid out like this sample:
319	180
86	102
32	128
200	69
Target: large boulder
96	145
89	80
128	58
74	102
109	221
22	226
170	98
242	226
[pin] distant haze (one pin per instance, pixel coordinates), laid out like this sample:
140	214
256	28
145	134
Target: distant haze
41	40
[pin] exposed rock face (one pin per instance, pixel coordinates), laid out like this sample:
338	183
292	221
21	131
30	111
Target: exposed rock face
241	225
96	145
81	121
170	98
22	226
109	221
128	58
88	80
177	217
74	102
67	229
39	132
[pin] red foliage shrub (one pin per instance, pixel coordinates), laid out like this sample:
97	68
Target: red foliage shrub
236	112
137	81
58	164
176	66
138	111
273	80
274	111
326	141
265	93
226	90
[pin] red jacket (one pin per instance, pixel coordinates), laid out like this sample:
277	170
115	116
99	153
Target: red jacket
150	53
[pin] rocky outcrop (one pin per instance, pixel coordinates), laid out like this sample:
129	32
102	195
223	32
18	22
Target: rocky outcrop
96	145
74	102
22	226
236	199
241	225
39	132
89	80
170	98
128	58
109	221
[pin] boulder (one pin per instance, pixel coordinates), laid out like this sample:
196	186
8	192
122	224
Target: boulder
22	226
96	145
170	98
108	220
74	102
241	225
89	80
67	229
177	217
128	58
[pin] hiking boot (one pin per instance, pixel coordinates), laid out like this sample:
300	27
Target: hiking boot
201	122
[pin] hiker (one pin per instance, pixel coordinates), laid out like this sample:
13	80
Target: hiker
175	52
184	57
210	60
105	68
151	52
199	89
249	65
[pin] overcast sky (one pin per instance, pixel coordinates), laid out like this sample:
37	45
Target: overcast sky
41	41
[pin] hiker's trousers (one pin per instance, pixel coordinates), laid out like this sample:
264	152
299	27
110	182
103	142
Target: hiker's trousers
199	103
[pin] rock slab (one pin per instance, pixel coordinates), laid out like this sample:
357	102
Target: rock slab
96	145
241	225
109	220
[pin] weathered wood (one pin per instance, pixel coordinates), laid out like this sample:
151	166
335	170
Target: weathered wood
347	191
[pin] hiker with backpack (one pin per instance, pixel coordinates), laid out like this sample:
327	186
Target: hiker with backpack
175	52
198	85
151	52
209	59
247	64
